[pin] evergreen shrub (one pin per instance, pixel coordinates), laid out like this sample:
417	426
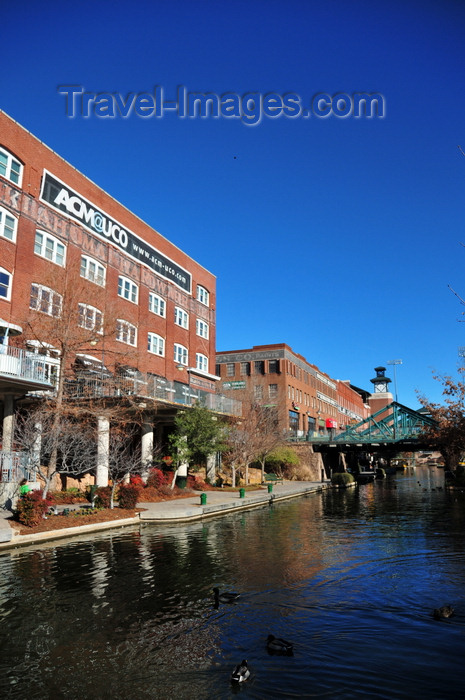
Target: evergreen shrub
342	479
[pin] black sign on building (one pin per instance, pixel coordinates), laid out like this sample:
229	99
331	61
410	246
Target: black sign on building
63	199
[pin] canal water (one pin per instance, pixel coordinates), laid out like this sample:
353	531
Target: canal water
351	577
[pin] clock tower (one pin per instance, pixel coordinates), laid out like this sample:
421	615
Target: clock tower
381	395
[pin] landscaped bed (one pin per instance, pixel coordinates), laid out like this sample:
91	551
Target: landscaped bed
81	513
60	522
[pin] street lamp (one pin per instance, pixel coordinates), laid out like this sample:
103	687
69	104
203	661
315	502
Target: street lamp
395	363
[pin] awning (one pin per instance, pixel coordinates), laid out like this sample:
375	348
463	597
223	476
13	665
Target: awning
131	373
91	364
201	373
128	371
12	328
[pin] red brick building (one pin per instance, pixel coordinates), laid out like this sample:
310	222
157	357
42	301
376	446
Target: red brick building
52	218
308	400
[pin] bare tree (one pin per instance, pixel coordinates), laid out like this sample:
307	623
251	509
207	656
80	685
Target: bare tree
265	436
71	439
42	435
123	458
71	315
256	435
236	454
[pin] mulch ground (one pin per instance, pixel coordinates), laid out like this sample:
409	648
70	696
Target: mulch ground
59	522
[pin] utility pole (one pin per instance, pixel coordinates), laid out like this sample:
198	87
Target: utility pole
395	363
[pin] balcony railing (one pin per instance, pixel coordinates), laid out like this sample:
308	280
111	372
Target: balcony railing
19	364
15	466
149	386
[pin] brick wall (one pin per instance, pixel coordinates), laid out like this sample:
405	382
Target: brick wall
19	259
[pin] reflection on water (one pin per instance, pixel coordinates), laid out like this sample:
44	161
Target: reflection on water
350	577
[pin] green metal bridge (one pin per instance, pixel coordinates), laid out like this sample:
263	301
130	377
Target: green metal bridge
393	424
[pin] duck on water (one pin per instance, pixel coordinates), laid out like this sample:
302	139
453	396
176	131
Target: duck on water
225	597
241	672
277	645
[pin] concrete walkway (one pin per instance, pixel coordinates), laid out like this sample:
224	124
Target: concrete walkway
221	502
176	510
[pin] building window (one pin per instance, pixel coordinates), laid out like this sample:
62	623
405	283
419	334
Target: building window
127	289
156	344
273	366
90	318
157	305
245	369
10	167
92	270
293	422
45	300
49	247
5	284
202	328
181	317
126	332
180	354
230	369
201	362
259	367
8	225
203	295
258	392
273	391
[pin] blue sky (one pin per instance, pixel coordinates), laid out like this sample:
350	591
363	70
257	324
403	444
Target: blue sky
338	236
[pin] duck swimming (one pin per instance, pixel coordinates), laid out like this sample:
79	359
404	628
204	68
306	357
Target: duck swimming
226	597
278	645
444	612
240	673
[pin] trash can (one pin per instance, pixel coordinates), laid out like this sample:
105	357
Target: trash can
92	489
241	493
270	488
203	499
181	482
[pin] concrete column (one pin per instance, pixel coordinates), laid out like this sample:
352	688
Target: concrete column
103	449
146	446
211	469
181	472
182	469
8	422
